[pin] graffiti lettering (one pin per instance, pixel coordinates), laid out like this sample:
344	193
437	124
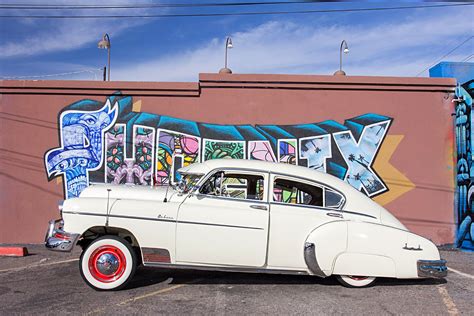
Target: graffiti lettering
360	155
133	153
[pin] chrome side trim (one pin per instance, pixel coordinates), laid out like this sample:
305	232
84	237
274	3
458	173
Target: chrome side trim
164	220
320	208
412	248
311	261
432	268
220	225
357	213
259	207
225	269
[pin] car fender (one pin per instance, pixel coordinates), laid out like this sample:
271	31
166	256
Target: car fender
383	251
323	245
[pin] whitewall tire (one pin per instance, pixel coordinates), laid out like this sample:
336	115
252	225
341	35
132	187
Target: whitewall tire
108	263
355	281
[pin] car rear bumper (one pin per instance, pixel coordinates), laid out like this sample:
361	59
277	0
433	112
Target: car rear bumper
57	239
432	268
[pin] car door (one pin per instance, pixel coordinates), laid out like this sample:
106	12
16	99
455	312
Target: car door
225	222
297	207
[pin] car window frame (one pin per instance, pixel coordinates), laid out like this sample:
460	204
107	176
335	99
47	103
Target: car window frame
264	174
309	182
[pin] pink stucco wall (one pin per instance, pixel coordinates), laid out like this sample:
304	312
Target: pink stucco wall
415	159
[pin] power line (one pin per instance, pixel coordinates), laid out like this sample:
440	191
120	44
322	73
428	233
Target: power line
92	71
231	14
468	58
144	6
445	55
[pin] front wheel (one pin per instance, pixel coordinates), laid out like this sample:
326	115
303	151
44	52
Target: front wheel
108	263
355	281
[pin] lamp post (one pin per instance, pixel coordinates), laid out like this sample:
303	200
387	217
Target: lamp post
228	44
344	48
104	43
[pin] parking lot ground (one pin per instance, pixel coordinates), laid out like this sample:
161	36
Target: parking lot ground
47	282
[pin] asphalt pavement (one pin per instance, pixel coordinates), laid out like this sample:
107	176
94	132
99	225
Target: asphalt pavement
49	283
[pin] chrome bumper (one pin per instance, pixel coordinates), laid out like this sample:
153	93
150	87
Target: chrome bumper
57	239
432	268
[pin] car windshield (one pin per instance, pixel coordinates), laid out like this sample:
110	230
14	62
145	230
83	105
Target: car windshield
188	181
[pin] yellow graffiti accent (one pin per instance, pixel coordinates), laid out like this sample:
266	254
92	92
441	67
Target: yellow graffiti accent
137	106
59	180
396	182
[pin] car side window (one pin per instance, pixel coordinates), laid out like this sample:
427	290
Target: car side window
234	185
333	199
293	192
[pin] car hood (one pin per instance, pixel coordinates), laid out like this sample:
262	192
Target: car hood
124	192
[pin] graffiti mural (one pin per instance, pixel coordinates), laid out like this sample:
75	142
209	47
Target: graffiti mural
135	170
316	150
101	143
182	148
359	156
261	150
287	151
223	149
465	166
81	144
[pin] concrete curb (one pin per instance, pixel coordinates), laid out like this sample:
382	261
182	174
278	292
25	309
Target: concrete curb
13	251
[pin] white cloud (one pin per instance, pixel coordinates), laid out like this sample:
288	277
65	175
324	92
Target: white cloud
53	35
391	49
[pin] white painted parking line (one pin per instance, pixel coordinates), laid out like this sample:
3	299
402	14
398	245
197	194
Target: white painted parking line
447	300
469	276
39	264
140	297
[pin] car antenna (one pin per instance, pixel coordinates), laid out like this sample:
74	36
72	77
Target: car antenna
108	209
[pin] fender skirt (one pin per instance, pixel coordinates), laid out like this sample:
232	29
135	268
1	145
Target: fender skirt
310	259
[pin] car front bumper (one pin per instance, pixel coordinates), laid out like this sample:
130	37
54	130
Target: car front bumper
432	268
57	239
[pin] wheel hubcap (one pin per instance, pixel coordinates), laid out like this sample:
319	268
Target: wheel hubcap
107	264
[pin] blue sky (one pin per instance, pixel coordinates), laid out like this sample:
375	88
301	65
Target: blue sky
382	43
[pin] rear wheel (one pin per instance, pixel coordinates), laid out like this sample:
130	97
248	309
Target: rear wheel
355	281
108	263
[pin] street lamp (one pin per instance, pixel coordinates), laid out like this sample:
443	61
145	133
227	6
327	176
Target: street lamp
228	44
104	43
344	48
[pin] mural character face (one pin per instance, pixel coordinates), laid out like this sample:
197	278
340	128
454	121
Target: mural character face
81	134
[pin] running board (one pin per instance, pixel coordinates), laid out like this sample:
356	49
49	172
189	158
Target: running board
225	269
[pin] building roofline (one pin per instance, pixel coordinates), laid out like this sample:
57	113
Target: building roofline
227	81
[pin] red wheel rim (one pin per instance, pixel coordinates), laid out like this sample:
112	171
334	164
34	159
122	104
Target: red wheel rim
358	278
107	264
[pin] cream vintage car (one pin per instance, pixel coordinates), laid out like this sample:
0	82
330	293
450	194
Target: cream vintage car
245	216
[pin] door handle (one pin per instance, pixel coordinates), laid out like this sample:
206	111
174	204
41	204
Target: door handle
334	215
259	207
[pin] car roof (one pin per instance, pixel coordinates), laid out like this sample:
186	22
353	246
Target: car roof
258	165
